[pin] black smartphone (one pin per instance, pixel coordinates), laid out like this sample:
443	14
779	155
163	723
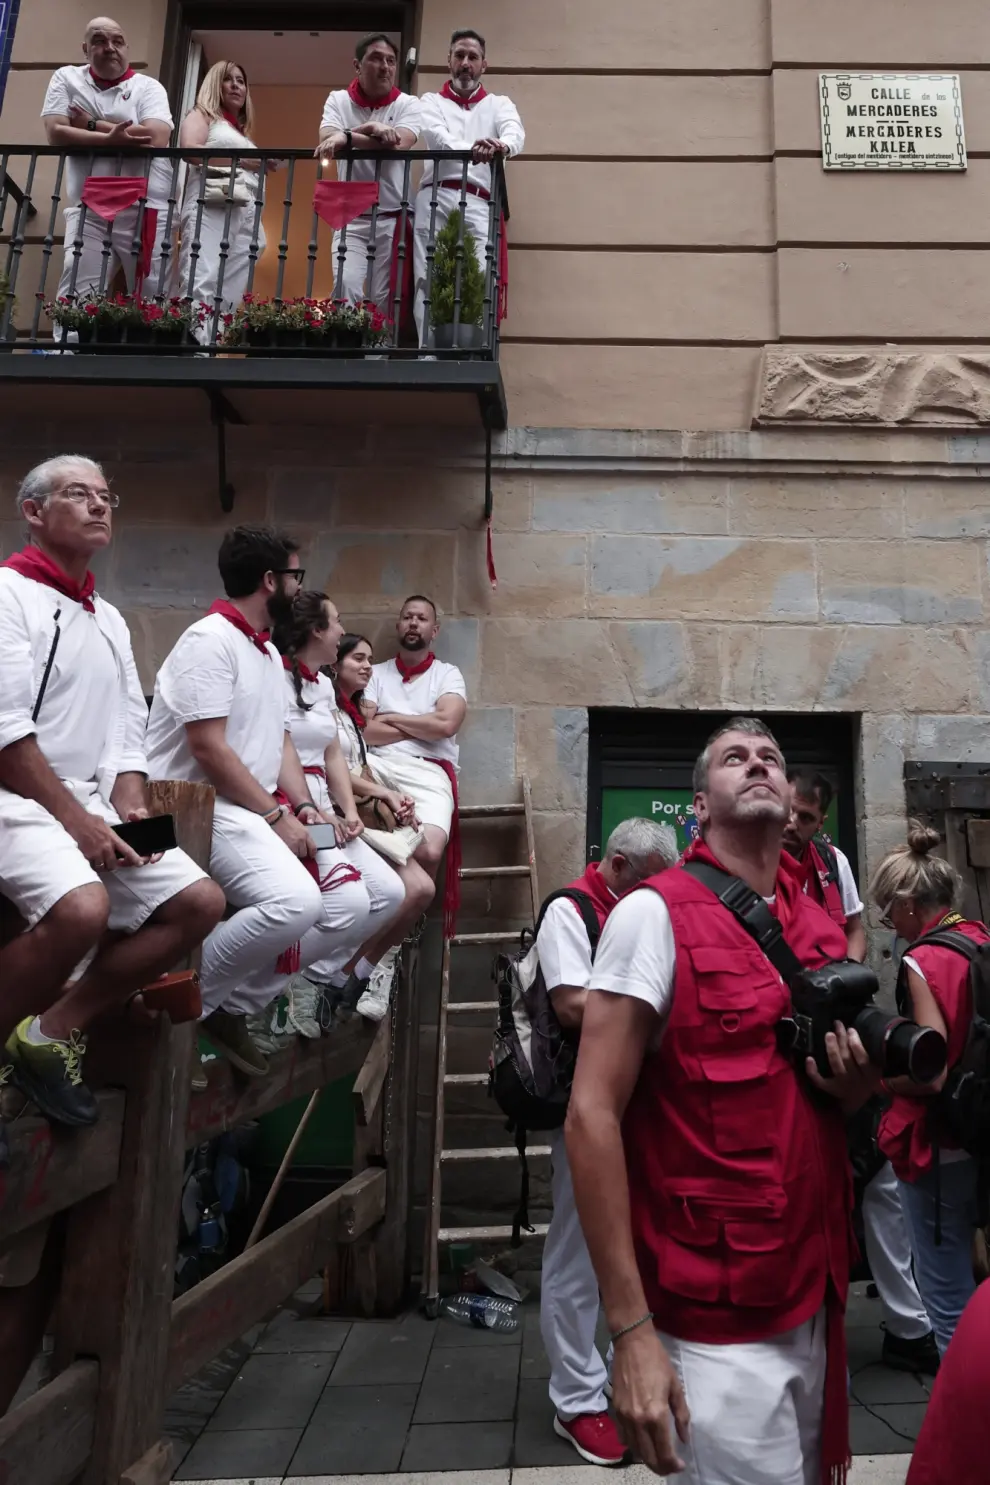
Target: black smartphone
324	837
148	837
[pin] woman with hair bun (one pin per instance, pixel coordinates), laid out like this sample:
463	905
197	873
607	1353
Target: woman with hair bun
917	893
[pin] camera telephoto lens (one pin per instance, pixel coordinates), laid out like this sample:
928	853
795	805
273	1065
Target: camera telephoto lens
900	1048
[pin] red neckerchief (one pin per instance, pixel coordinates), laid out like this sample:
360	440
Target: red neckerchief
259	637
104	83
232	121
448	92
33	563
408	671
595	885
357	96
304	670
350	710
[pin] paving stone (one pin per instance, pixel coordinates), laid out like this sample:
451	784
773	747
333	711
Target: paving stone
880	1469
864	1345
242	1453
535	1441
451	1336
458	1446
289	1333
384	1354
469	1386
279	1390
356	1429
882	1384
862	1311
584	1474
885	1430
427	1477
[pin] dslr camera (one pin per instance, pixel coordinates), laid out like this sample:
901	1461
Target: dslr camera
844	991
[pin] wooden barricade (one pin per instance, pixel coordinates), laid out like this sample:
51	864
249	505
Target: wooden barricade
95	1212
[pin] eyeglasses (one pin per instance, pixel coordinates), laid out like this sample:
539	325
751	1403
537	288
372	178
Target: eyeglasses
297	572
80	495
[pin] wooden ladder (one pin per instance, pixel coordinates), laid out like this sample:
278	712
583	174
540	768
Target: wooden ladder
435	1234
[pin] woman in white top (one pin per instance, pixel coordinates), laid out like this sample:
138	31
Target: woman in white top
230	202
308	641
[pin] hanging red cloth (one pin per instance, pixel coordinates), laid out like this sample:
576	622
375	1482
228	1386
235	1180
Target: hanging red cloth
340	201
37	565
363	101
452	879
108	196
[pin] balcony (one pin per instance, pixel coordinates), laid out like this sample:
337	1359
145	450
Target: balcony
266	271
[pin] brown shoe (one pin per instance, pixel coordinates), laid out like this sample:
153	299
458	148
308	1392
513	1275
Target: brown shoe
229	1034
198	1081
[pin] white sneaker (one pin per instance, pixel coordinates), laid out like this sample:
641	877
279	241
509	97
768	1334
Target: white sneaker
261	1029
303	996
374	1002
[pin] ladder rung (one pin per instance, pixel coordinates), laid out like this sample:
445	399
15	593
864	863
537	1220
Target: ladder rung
490	811
472	1005
472	873
466	1080
507	936
486	1234
494	1152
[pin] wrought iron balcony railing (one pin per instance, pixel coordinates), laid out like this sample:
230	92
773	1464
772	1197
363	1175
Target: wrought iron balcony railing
265	253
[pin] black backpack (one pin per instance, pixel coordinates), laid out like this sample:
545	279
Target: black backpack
962	1108
531	1067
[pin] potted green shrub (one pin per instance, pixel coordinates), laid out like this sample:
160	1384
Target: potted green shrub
470	334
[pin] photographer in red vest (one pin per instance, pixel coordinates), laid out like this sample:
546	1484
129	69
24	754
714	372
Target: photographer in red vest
826	872
710	1171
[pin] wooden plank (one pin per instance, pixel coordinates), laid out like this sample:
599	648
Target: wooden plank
47	1440
230	1100
241	1293
153	1468
192	806
391	1240
52	1168
370	1081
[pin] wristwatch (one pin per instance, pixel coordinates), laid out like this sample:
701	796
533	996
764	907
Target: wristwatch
348	139
91	125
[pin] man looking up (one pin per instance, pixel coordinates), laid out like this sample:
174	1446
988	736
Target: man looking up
72	767
371	114
569	1299
463	116
96	111
826	871
219	716
711	1177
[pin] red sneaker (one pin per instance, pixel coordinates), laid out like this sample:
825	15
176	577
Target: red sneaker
595	1437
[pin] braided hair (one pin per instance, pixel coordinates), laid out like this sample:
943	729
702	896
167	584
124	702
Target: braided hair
290	635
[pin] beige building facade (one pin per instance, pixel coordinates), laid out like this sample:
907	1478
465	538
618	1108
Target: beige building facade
746	460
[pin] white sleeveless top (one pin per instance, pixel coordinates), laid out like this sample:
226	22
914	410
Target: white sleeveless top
223	136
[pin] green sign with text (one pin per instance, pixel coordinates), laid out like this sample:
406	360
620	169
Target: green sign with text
671	807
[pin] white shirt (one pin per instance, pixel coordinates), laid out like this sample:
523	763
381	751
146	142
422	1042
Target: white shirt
563	947
312	730
851	904
91	723
341	112
416	697
134	100
636	954
448	126
216	671
349	745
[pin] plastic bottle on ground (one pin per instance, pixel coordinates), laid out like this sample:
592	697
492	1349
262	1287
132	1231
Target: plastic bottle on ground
484	1311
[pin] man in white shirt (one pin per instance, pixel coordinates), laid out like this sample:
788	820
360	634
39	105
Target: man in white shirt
220	716
72	767
462	116
569	1300
96	111
371	114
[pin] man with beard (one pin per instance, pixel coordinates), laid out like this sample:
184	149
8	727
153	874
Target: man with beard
711	1177
72	767
825	870
463	116
219	716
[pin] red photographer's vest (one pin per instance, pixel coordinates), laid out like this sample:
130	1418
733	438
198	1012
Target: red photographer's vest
818	885
739	1182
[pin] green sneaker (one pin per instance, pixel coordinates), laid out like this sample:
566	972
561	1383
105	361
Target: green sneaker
50	1075
229	1034
6	1071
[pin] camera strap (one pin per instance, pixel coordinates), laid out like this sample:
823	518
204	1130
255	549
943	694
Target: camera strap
751	911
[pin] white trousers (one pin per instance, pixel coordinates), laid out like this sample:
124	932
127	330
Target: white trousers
756	1408
569	1302
278	903
888	1248
91	238
365	278
476	214
198	278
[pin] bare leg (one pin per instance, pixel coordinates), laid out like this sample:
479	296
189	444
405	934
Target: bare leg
420	889
35	965
126	963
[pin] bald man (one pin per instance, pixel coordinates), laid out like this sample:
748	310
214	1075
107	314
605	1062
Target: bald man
95	111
